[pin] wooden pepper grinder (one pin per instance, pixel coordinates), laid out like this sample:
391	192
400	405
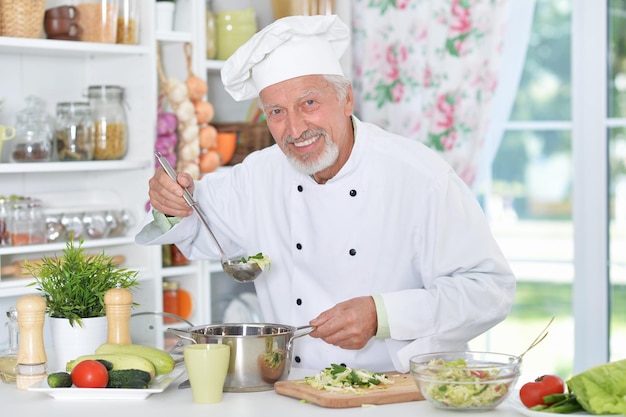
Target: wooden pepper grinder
32	362
118	303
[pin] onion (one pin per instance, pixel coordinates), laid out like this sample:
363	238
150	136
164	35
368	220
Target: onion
208	137
204	111
166	143
209	161
166	123
196	88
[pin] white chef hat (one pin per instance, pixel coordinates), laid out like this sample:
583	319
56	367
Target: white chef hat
289	47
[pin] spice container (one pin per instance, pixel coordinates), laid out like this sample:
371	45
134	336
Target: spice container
4	218
177	257
74	132
211	48
128	22
109	121
97	20
170	300
33	138
27	225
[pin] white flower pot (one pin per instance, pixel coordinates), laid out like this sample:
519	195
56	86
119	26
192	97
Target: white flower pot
69	342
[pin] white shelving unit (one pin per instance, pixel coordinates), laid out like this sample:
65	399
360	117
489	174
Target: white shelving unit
59	71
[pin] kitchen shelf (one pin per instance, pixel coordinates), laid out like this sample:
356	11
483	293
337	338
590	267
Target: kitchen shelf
172	271
83	166
174	37
52	247
57	48
213	65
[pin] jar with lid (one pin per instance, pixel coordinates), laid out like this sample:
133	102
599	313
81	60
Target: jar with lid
109	121
128	22
170	300
33	137
211	49
97	20
8	358
177	257
4	218
27	225
74	132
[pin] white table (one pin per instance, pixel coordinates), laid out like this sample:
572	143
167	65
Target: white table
177	402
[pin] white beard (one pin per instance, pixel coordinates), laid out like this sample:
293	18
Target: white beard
312	166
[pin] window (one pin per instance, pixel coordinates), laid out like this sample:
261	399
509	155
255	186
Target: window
557	197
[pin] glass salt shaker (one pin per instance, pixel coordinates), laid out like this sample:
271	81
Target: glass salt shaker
8	358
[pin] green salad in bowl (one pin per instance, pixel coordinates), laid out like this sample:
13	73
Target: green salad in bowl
465	380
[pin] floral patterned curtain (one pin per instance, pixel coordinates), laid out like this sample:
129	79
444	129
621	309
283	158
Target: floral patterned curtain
428	70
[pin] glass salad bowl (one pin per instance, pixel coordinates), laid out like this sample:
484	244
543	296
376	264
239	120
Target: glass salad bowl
465	380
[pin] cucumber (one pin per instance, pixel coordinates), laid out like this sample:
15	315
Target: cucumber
128	378
162	361
60	380
119	361
106	364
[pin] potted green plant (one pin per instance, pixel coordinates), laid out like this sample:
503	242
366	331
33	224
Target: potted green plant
73	286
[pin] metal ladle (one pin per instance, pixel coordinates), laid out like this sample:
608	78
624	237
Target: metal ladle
240	271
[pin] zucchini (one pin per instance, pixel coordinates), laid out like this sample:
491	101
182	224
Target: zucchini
119	361
128	378
163	362
60	380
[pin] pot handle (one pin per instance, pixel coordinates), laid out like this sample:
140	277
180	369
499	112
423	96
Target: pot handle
304	331
182	334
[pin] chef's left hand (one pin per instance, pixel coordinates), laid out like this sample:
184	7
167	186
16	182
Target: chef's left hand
349	324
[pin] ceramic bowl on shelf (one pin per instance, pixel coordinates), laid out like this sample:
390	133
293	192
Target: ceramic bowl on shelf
465	380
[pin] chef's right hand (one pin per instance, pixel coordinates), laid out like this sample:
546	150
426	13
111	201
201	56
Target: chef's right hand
166	195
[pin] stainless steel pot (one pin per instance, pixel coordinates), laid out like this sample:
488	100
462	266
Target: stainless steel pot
260	353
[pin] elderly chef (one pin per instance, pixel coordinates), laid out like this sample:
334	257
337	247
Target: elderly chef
373	239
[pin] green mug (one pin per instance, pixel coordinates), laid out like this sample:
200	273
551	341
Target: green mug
207	366
233	29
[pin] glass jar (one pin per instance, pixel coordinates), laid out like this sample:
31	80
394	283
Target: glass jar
128	22
177	257
210	31
109	121
33	137
27	225
4	218
170	300
97	20
74	132
8	358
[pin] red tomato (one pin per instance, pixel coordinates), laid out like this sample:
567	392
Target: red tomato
90	374
532	393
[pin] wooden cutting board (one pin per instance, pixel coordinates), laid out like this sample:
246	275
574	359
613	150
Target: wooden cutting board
403	389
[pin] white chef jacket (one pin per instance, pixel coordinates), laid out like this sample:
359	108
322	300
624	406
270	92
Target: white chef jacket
395	221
